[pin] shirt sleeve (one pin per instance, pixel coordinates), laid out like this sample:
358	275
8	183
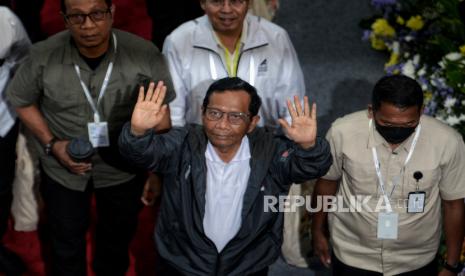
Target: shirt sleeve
159	70
26	86
290	81
452	183
20	44
335	143
178	106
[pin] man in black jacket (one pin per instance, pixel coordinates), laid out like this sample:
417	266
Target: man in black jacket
219	176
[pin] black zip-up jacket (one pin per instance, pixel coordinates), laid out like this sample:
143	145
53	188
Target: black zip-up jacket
179	156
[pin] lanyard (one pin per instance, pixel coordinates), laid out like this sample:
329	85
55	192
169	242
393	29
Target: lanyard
214	73
378	166
103	89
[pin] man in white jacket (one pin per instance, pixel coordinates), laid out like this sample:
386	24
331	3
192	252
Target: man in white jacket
229	42
14	45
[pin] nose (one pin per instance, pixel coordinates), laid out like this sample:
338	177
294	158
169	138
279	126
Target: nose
88	23
223	123
226	7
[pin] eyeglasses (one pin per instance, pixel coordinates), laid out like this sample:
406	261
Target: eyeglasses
221	3
80	18
234	118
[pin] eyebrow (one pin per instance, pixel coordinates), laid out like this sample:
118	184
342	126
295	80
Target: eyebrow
393	123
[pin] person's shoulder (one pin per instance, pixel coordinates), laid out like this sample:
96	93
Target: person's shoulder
264	23
186	29
6	13
133	42
437	131
352	122
261	24
53	45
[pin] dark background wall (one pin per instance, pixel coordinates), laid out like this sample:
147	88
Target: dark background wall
339	68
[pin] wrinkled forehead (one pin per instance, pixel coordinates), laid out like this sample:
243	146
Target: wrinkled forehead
84	5
230	100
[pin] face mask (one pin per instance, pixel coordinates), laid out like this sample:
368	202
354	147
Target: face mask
394	135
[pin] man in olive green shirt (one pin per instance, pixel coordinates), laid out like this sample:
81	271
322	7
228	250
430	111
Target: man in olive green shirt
82	83
393	153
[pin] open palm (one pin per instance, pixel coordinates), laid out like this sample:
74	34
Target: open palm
149	110
303	127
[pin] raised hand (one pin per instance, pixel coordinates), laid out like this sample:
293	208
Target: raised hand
149	109
303	127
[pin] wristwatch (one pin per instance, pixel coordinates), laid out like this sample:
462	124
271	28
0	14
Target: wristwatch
457	268
49	145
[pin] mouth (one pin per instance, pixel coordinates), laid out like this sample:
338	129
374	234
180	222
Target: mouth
227	21
221	136
89	37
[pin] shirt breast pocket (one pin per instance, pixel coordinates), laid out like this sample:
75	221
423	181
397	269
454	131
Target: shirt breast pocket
360	177
60	91
428	181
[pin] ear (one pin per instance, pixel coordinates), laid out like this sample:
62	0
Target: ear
422	110
64	19
370	111
253	123
112	10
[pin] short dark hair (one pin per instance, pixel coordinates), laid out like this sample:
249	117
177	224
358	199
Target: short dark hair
63	6
234	84
399	90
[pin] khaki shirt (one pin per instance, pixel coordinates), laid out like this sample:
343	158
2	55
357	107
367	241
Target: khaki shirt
48	79
440	156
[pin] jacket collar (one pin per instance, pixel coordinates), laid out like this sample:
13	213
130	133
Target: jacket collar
204	36
261	144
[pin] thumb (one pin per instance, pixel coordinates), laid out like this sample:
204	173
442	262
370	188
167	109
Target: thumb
325	258
284	124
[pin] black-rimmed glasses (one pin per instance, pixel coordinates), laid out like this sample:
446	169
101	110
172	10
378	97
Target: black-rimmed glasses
234	118
80	18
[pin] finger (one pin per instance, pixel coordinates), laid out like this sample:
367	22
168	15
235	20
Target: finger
324	261
163	110
149	94
297	104
145	201
326	257
140	98
306	107
313	116
81	167
162	95
291	109
284	124
157	91
144	196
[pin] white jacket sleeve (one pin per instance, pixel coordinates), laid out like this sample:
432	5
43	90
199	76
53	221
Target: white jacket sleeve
290	80
178	105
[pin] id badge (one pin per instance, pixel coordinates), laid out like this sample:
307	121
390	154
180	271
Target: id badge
98	134
387	226
416	202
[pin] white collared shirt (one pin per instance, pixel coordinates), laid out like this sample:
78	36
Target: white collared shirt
226	185
13	46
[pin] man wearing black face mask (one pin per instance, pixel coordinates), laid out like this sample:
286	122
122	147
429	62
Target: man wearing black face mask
400	165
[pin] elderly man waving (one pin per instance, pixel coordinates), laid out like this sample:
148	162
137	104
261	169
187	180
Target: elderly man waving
213	219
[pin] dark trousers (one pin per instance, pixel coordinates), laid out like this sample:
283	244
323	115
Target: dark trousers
341	269
68	214
7	174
